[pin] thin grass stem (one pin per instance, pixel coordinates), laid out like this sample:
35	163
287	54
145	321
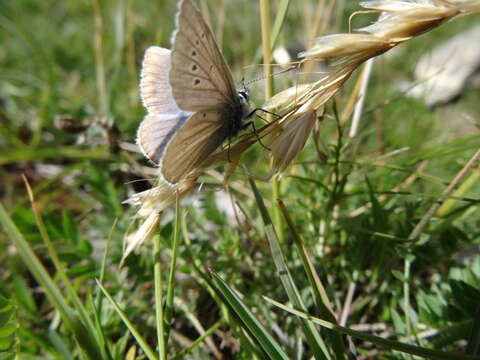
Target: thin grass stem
267	59
171	274
159	313
136	334
99	61
416	232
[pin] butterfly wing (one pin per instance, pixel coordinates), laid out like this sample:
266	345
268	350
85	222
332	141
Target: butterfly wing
164	117
199	83
202	134
155	89
200	77
156	131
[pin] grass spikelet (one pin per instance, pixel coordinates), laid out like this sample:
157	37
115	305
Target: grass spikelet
399	21
291	140
151	203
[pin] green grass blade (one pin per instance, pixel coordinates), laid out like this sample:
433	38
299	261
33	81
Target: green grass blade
314	339
206	280
171	274
198	341
159	311
388	344
66	152
82	335
136	334
97	305
277	27
279	20
320	295
463	189
77	303
256	330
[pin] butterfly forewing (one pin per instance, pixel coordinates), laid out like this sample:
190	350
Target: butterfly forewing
200	77
155	89
200	136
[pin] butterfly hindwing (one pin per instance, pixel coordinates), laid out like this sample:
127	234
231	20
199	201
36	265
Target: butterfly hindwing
155	89
197	139
200	77
157	130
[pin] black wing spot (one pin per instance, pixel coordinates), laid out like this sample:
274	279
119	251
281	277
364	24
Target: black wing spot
194	53
204	115
194	67
196	82
197	42
203	35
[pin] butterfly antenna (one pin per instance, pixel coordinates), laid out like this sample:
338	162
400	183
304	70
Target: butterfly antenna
292	67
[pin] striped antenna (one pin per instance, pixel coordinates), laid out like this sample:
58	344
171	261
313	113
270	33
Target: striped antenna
292	67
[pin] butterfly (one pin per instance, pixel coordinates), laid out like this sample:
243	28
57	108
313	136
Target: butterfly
192	102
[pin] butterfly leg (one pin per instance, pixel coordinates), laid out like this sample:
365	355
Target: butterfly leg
252	124
228	150
251	113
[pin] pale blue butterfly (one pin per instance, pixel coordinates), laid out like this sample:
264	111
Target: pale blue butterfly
193	105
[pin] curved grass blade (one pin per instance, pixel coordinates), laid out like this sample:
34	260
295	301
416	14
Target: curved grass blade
81	310
250	323
205	280
136	334
319	349
389	344
82	335
319	292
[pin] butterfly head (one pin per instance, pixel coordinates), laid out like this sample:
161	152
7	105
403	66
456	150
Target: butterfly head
244	96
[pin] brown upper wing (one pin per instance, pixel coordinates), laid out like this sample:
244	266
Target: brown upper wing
200	77
196	140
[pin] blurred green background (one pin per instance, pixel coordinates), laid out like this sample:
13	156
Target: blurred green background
69	109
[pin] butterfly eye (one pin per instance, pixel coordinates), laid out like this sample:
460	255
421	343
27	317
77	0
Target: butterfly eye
244	94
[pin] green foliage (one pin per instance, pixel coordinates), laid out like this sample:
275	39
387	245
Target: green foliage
8	327
348	207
